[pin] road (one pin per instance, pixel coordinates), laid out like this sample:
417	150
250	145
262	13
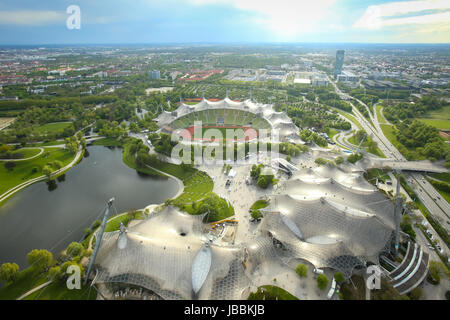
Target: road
438	208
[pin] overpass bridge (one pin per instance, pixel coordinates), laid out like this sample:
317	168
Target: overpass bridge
418	166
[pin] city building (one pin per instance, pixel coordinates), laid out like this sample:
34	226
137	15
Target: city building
154	74
339	62
347	76
319	79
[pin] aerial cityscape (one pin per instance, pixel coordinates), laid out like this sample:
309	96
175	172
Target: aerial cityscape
264	160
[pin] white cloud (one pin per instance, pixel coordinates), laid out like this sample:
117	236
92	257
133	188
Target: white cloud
31	17
393	14
286	18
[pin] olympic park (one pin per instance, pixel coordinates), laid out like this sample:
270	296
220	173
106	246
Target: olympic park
328	217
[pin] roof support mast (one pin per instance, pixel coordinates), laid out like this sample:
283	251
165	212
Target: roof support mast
397	212
99	238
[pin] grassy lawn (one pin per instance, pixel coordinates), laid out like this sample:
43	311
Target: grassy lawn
441	176
439	119
356	143
271	293
27	280
45	144
52	127
225	210
349	117
437	123
57	290
348	292
332	133
439	188
129	160
27	153
443	113
23	170
389	132
259	205
197	184
107	142
381	118
114	223
373	174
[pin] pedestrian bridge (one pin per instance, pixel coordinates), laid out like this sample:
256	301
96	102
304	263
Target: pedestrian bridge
420	166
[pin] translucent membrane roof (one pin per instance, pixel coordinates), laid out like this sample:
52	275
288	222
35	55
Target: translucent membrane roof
279	122
330	218
167	253
325	216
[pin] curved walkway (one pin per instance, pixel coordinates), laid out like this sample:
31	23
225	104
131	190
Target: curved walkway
25	184
32	157
34	290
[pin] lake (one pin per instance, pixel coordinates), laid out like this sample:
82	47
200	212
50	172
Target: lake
36	218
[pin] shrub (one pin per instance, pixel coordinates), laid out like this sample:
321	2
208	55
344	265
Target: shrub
339	277
302	270
322	281
10	165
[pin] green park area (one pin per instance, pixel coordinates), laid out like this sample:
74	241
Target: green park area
26	280
58	290
380	115
23	153
53	127
439	119
43	268
29	169
368	143
389	132
349	117
441	124
269	292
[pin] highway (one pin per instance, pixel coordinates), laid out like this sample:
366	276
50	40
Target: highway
438	208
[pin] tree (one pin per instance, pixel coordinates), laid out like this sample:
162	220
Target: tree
435	271
302	270
339	277
9	272
57	164
322	281
54	273
66	265
339	160
321	161
47	171
74	249
10	165
415	293
263	181
39	259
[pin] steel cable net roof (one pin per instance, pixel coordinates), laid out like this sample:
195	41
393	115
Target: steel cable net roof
158	254
328	224
278	121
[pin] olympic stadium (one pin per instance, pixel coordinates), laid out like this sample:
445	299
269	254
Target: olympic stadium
231	114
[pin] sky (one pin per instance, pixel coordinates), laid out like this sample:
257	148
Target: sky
224	21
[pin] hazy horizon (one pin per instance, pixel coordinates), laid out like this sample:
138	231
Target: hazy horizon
28	22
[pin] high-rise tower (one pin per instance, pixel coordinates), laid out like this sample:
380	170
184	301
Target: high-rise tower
339	62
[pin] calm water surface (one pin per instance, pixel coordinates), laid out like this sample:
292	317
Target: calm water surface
36	218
